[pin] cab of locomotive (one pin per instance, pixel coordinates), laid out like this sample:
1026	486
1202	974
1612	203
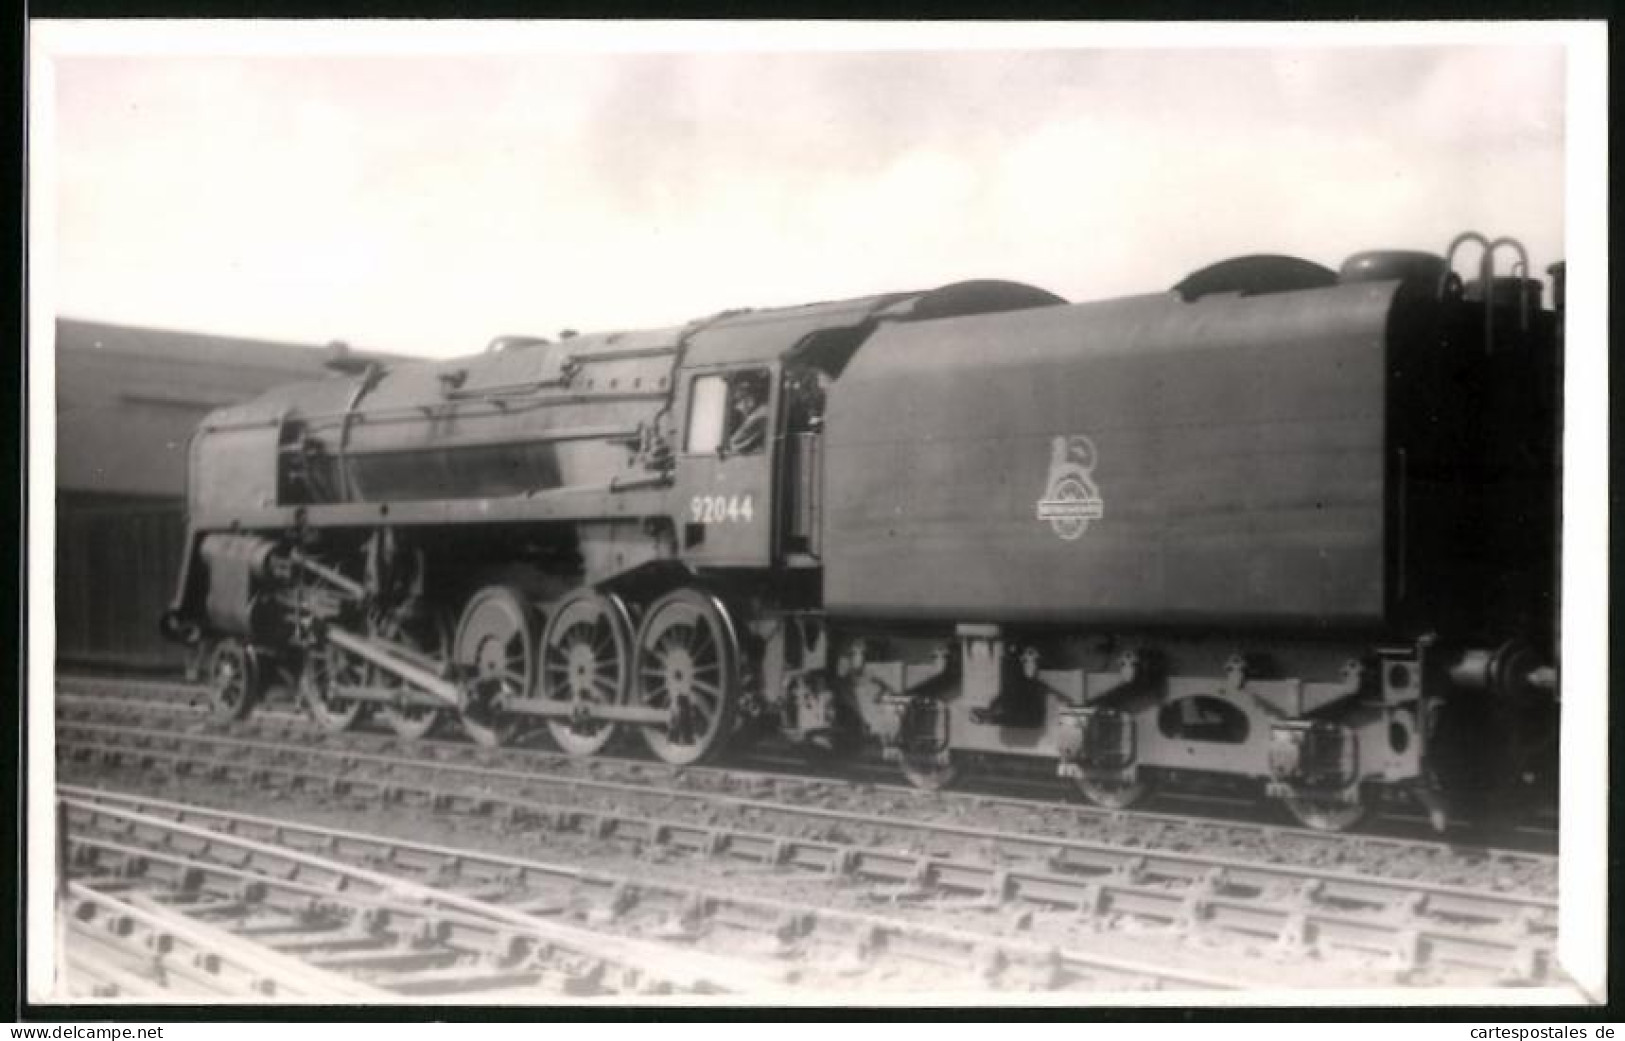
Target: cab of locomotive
726	417
747	463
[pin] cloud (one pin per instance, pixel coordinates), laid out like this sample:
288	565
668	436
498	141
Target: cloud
1493	98
428	204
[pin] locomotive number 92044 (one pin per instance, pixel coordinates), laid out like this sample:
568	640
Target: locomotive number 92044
720	509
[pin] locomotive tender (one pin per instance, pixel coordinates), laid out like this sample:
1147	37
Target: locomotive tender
1282	525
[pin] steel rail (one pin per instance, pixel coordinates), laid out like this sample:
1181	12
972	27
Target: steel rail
1085	815
285	717
106	975
207	960
618	893
347	930
687	969
1065	854
1185	890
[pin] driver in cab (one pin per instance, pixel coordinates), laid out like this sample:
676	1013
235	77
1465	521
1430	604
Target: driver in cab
749	431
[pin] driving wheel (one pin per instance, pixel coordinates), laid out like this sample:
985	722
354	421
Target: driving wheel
687	664
326	670
586	660
429	636
496	649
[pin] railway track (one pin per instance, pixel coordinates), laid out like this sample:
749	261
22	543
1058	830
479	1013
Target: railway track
1055	884
1453	863
160	906
460	922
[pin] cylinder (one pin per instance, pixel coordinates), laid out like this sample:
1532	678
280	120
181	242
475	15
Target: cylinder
236	563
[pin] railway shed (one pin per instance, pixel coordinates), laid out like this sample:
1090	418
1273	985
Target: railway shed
127	402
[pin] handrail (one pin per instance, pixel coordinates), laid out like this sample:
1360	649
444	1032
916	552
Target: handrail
1486	278
1520	267
501	390
369	379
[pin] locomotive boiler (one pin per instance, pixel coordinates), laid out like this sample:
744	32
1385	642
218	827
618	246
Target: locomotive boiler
1281	527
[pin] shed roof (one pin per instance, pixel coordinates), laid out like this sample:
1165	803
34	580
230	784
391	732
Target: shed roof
129	398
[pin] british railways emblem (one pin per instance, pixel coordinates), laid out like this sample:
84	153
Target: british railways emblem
1071	499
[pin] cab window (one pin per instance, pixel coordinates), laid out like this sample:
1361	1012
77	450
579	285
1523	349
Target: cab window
707	415
727	415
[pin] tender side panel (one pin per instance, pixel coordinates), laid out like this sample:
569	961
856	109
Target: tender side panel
1138	459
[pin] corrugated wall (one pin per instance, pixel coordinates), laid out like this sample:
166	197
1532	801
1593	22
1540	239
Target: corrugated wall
116	562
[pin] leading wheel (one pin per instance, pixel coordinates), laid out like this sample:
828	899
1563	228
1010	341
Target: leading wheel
326	671
1112	793
687	664
234	680
1325	813
430	637
586	660
496	649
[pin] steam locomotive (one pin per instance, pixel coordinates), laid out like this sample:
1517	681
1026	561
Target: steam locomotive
1282	527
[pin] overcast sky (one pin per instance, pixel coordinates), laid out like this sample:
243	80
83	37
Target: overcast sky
425	204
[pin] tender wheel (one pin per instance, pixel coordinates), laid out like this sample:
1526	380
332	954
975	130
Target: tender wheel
687	663
429	636
1110	792
496	645
1323	813
235	681
325	670
586	659
928	772
924	750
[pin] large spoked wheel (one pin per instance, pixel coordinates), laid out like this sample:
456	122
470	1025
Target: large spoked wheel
586	660
687	664
496	648
1325	813
326	670
430	637
1112	793
234	680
